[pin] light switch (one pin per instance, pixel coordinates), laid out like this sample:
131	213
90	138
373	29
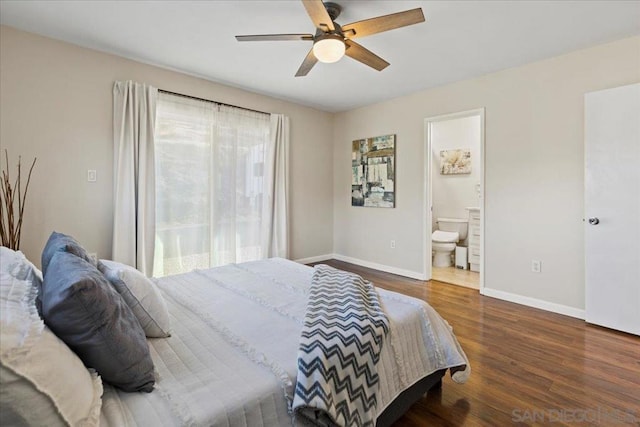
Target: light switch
536	266
91	175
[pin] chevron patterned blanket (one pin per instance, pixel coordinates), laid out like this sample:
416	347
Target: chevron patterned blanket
341	340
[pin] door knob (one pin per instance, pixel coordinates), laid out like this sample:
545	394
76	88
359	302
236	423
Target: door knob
594	221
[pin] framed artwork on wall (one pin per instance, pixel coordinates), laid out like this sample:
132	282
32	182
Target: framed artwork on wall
373	172
454	162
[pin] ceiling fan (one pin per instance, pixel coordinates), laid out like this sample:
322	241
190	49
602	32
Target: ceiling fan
332	41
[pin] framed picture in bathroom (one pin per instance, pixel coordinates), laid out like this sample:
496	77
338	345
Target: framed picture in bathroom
373	172
455	162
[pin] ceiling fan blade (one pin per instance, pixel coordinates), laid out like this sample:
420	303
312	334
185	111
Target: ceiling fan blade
319	15
364	55
309	61
274	37
383	23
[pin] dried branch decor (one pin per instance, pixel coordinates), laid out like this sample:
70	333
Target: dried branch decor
12	201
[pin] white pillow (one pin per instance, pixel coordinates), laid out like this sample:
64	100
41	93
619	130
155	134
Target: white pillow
17	265
43	381
141	295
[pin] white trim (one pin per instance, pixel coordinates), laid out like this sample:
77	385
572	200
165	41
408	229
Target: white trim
534	302
493	293
380	267
427	209
482	198
426	246
311	259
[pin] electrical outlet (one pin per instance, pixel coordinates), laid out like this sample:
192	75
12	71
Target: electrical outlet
536	266
92	175
393	244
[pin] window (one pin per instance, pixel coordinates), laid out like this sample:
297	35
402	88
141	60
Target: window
210	164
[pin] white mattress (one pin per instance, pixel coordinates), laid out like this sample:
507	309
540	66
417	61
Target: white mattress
231	358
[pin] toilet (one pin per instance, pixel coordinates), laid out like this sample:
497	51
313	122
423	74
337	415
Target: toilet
443	241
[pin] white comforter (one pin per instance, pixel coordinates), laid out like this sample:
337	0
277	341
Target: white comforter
231	359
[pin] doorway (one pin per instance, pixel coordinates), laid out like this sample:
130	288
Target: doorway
454	189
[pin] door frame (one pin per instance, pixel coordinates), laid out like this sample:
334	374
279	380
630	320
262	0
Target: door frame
428	206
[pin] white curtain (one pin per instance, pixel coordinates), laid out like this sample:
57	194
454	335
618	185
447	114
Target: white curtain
215	185
134	110
275	237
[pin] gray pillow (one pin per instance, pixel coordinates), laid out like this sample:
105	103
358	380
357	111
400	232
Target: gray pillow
141	295
84	311
59	242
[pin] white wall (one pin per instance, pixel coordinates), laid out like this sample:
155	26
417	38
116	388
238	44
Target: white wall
451	194
534	178
56	104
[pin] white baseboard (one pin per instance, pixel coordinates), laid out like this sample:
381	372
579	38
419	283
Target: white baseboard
381	267
494	293
314	259
534	302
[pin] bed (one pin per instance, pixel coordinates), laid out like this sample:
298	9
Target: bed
235	332
231	356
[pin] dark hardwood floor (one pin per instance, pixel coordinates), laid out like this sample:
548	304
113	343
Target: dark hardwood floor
529	366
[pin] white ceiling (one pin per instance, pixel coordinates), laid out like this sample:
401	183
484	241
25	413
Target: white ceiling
459	40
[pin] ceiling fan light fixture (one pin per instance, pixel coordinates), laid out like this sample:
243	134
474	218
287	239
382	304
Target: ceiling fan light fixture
329	48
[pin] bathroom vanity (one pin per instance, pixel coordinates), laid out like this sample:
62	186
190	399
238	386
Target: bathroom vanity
474	239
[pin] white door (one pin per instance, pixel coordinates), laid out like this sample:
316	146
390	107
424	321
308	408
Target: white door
612	208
